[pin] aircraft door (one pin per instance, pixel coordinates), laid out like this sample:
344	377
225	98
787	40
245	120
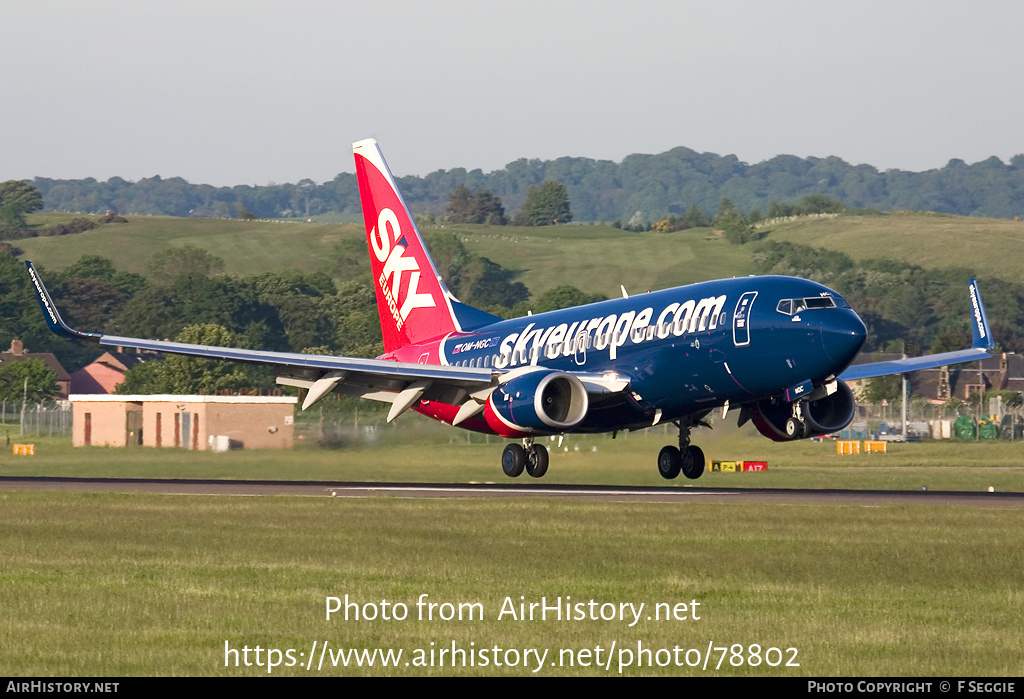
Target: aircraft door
580	347
740	319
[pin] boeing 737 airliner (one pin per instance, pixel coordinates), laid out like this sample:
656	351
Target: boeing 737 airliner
777	348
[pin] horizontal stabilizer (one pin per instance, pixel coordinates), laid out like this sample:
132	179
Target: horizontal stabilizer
472	318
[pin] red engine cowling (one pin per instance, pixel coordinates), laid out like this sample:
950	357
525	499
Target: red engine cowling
829	413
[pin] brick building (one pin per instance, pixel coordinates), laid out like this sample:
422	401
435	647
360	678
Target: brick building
186	422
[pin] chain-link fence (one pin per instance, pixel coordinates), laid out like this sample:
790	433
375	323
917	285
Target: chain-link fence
333	428
367	428
951	419
43	419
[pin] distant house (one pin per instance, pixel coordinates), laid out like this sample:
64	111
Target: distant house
17	353
104	374
1000	372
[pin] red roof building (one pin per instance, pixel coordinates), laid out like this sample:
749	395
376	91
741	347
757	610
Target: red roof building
104	374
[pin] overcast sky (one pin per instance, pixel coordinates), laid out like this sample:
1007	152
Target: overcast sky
255	91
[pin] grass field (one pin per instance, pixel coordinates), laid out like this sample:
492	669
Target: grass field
539	254
140	584
134	584
415	449
597	259
930	240
247	247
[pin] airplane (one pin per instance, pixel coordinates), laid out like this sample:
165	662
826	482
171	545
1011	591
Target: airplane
777	348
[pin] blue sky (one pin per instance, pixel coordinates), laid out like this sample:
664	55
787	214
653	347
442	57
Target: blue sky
229	92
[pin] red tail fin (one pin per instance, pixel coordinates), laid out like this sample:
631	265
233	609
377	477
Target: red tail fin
413	302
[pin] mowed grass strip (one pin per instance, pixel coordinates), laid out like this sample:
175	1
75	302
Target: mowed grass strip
135	584
415	449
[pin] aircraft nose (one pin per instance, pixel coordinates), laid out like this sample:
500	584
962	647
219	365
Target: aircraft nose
842	335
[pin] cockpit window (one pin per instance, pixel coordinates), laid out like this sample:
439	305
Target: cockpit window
794	306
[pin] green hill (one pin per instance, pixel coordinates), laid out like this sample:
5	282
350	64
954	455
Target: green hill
904	272
247	247
597	259
985	246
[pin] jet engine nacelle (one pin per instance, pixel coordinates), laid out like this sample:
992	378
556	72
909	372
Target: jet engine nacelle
537	402
824	415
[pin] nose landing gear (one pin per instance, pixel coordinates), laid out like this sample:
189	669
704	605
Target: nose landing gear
796	426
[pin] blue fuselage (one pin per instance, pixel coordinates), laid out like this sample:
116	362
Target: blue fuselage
683	350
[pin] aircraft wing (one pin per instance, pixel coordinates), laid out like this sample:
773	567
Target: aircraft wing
904	366
392	382
982	343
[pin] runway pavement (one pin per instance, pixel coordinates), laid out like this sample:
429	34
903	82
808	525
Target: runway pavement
668	493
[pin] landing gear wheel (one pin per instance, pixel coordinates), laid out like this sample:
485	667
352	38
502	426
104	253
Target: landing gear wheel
513	459
537	461
693	463
669	463
794	428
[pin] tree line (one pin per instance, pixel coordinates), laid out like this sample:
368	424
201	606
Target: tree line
546	204
655	186
927	309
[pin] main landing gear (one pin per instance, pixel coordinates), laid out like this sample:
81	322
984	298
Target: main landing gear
687	458
532	457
